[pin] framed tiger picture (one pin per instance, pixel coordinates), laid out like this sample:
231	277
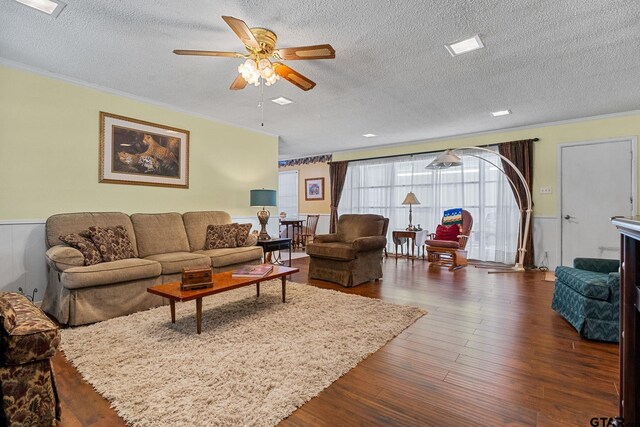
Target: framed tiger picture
142	153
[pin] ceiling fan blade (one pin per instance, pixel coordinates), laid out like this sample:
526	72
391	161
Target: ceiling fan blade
321	51
208	53
238	83
242	30
293	76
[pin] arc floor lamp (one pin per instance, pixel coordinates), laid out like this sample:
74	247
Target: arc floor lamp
449	159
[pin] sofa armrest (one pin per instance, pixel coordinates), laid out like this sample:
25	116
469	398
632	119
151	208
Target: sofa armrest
252	239
61	257
326	238
362	244
597	265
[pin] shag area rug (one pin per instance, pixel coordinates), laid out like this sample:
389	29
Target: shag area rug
256	361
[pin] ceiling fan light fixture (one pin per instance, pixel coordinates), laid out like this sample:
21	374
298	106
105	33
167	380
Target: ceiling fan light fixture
464	46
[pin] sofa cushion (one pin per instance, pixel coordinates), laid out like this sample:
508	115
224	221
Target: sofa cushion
7	315
112	242
196	223
352	226
63	224
160	233
229	256
221	236
174	262
107	273
587	283
34	336
333	250
83	243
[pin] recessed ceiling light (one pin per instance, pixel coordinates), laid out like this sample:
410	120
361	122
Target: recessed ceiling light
282	101
501	113
369	135
50	7
464	46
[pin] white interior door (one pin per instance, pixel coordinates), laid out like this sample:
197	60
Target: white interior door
597	181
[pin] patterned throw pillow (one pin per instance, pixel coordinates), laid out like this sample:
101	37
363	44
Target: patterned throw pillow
452	216
112	242
448	232
221	236
83	243
243	233
7	315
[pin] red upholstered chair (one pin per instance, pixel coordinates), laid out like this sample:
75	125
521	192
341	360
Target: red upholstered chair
451	251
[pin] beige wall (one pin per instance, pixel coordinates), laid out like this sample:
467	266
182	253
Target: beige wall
545	150
49	151
314	170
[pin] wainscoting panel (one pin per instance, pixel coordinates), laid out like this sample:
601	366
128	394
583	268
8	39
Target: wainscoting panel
22	260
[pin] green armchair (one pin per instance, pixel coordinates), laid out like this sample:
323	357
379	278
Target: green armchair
352	255
588	297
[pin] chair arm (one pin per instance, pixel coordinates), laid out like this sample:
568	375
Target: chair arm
326	238
61	257
252	239
597	265
370	243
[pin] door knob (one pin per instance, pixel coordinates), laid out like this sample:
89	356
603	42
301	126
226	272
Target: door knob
567	217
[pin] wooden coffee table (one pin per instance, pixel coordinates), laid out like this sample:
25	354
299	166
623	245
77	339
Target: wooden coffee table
222	282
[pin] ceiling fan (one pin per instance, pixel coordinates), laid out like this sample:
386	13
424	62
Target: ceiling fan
261	45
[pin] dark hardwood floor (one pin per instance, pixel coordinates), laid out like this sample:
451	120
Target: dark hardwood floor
490	352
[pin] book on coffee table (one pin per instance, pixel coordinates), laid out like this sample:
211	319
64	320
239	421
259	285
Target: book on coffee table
253	271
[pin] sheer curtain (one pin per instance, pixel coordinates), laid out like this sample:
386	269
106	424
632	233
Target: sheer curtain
379	186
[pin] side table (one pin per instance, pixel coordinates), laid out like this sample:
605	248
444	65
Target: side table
415	238
269	246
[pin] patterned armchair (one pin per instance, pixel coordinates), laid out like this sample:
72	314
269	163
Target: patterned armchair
588	297
353	255
447	247
28	341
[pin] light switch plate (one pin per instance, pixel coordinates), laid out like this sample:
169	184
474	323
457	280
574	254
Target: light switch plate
545	189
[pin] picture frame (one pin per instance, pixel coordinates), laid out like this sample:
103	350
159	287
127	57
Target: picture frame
314	189
137	152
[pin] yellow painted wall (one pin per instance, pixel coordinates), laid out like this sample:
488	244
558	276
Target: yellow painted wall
49	133
314	170
545	151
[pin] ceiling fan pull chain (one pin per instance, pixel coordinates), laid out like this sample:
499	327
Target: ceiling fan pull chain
262	100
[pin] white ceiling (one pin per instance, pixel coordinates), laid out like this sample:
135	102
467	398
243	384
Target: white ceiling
546	60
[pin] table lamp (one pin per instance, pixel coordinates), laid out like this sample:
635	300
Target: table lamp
263	198
410	199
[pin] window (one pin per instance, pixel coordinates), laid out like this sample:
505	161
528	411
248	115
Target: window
288	193
380	185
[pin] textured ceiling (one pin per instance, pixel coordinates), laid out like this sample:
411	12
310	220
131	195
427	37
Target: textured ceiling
546	60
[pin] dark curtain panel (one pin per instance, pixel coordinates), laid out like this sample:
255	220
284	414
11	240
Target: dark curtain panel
520	153
337	174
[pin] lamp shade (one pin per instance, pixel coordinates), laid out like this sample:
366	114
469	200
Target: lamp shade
263	198
445	160
411	199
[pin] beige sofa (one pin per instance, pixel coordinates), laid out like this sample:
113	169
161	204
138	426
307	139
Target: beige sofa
163	244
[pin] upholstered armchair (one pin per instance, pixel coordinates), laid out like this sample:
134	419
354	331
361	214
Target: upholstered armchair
447	245
588	297
28	342
352	255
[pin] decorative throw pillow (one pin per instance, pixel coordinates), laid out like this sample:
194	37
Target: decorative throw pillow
7	315
452	216
221	236
243	233
448	232
83	243
112	242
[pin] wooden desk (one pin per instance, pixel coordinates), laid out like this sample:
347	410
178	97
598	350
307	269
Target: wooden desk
295	224
415	238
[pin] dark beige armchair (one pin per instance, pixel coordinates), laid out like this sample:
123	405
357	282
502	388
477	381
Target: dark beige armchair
353	255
